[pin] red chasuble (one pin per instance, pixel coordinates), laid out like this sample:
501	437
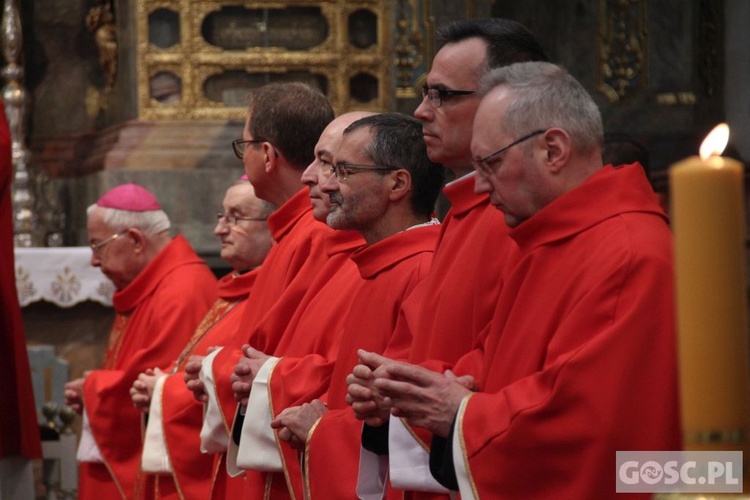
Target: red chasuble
156	315
446	313
284	277
182	416
391	269
299	259
19	430
445	316
580	359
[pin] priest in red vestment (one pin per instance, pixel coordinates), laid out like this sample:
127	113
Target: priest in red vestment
384	186
579	361
284	123
320	313
445	315
172	458
163	291
19	430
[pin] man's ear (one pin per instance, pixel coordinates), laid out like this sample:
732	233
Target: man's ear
139	239
400	184
270	156
557	144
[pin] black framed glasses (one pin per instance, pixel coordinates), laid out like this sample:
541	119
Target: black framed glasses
437	96
240	145
232	219
97	247
343	169
482	165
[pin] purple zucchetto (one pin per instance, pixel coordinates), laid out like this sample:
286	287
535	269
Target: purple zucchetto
130	197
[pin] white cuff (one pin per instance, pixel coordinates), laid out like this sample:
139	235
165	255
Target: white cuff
373	474
214	437
258	449
88	451
232	448
155	457
410	462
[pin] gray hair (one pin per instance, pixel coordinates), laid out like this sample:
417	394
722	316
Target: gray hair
150	222
544	95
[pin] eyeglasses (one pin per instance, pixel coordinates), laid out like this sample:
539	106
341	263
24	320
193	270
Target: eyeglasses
240	145
232	219
436	96
482	165
97	247
343	169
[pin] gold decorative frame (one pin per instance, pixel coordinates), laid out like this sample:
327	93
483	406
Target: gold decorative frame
622	69
193	60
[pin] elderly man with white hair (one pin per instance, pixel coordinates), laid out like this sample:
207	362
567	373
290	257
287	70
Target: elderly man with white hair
163	290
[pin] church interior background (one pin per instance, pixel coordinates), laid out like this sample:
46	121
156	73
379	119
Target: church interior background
101	92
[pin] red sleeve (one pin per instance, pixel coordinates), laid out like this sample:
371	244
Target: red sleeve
334	440
154	337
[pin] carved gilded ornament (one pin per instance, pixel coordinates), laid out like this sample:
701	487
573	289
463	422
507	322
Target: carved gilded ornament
623	48
175	79
100	21
409	47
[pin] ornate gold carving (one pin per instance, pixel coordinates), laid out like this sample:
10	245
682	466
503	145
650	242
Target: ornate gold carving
100	21
623	48
194	61
411	36
675	98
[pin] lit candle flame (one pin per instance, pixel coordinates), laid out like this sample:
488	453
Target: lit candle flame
715	142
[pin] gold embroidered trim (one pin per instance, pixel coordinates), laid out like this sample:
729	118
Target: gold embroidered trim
415	436
220	309
306	461
464	454
116	337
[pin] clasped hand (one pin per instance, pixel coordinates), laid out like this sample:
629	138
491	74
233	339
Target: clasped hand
380	386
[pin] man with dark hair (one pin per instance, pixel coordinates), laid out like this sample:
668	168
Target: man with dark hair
283	125
383	186
507	41
585	319
446	313
311	331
